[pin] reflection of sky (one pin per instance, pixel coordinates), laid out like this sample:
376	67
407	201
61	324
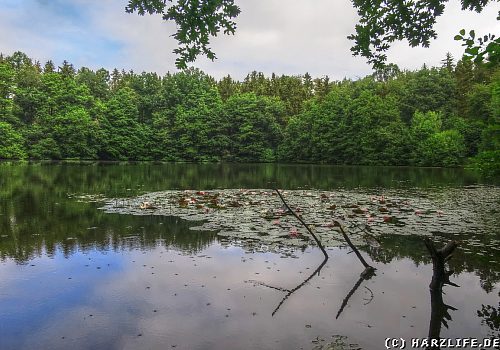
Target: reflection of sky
31	294
161	298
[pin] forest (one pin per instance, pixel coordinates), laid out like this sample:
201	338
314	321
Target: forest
434	116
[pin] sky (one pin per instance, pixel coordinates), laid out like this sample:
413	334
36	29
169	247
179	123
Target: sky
282	36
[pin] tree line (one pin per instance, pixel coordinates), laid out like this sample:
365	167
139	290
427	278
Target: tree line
439	116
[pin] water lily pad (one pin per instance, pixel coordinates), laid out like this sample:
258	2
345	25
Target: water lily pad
258	217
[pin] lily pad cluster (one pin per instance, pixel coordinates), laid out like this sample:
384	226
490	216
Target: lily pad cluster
259	218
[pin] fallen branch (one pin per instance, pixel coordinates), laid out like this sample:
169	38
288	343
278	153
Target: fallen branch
318	242
368	269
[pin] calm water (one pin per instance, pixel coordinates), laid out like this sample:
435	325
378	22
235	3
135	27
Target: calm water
74	277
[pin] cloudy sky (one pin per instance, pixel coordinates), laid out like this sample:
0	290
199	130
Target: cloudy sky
281	36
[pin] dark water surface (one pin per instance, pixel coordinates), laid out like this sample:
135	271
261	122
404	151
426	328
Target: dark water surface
74	277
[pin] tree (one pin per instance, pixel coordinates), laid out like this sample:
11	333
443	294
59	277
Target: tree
6	91
432	116
11	143
480	49
187	125
447	63
445	148
123	137
434	147
385	21
75	133
252	126
67	70
49	67
97	82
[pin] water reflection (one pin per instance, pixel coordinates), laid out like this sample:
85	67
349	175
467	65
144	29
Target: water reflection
37	215
116	180
83	228
75	277
164	297
289	292
363	277
491	317
440	312
472	259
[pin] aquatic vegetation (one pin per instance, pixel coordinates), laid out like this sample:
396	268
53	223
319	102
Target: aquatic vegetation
258	218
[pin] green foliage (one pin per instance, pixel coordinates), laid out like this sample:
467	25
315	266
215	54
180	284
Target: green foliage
487	162
445	148
6	89
44	147
434	146
75	133
196	20
479	103
432	116
11	143
424	125
383	22
188	125
480	49
253	123
123	138
427	90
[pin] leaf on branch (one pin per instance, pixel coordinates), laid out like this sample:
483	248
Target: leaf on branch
197	21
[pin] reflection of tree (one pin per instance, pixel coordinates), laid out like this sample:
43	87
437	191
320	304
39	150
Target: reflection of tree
440	315
113	179
104	232
491	317
440	312
399	247
36	214
363	277
40	217
289	292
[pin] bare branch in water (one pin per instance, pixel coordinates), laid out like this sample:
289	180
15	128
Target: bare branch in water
368	269
318	242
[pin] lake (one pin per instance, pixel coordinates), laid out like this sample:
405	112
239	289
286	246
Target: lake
79	272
